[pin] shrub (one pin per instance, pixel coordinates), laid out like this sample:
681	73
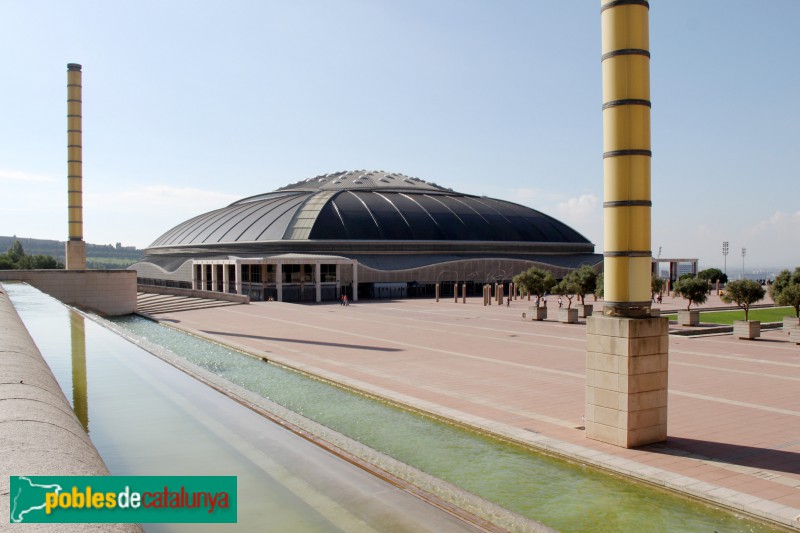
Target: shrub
786	290
744	292
568	287
535	281
693	289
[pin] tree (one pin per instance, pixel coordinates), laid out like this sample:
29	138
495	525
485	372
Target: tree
786	290
586	278
535	281
744	292
15	253
693	289
568	287
712	275
39	261
656	286
17	259
599	291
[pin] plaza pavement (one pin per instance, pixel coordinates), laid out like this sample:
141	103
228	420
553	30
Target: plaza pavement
734	405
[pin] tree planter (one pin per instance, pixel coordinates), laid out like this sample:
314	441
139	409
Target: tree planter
568	316
746	329
537	313
585	310
790	322
689	318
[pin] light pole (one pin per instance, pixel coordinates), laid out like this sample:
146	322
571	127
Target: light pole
725	254
744	253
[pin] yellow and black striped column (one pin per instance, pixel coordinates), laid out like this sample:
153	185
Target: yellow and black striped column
626	157
76	248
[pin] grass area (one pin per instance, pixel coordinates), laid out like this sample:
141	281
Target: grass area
769	314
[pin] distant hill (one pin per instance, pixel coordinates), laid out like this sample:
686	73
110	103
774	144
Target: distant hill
98	256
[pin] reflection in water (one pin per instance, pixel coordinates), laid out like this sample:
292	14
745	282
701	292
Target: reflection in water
80	400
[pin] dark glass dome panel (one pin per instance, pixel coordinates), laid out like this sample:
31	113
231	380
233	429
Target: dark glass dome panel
369	206
365	215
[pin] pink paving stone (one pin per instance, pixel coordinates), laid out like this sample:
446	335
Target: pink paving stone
487	362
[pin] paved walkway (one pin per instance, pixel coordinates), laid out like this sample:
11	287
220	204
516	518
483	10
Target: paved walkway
734	405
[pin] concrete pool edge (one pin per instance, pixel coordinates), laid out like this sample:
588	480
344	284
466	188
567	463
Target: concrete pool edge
40	415
709	493
471	509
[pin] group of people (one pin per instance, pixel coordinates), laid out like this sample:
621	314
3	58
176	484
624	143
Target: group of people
345	300
544	301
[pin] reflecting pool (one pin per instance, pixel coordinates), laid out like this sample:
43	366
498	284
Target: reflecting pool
147	418
563	495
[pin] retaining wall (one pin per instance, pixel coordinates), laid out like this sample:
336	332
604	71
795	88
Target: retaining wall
108	292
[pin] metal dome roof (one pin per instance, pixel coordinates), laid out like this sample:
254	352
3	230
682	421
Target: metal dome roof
368	206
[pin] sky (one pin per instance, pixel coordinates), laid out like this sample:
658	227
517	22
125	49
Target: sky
191	105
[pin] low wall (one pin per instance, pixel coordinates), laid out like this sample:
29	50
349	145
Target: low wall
39	432
108	292
194	293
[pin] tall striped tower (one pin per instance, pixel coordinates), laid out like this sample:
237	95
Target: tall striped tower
626	348
626	157
76	247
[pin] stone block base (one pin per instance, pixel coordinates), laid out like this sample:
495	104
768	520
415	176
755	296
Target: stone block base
626	380
75	255
537	313
689	318
746	329
568	316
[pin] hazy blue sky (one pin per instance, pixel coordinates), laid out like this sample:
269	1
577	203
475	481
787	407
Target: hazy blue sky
189	105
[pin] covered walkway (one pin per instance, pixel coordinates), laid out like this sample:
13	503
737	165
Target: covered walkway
285	277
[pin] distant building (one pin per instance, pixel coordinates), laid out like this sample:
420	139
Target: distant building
677	267
366	234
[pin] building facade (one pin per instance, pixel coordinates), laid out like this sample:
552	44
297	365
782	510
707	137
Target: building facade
369	234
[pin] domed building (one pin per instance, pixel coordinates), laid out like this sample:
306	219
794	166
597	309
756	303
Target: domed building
372	234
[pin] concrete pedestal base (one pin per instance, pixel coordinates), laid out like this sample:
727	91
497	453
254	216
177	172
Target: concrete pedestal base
536	312
626	380
689	318
568	316
75	254
746	329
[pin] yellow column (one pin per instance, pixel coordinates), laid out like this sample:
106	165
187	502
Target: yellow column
627	350
626	157
76	247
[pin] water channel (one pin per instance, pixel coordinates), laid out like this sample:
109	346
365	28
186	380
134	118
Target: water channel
136	436
148	418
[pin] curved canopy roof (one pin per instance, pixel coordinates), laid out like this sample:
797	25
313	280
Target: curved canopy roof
368	206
